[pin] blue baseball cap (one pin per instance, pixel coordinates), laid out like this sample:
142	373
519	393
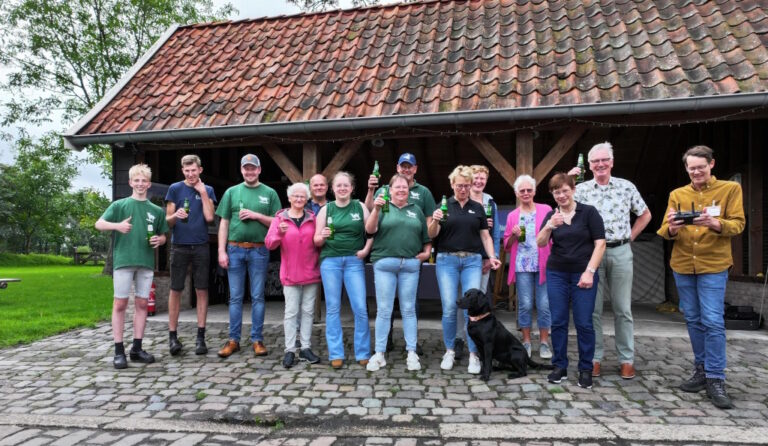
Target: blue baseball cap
407	158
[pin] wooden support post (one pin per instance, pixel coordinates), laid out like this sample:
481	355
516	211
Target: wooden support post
494	157
310	160
341	158
561	147
524	152
754	204
282	161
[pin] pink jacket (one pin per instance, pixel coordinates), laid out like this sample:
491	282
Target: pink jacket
299	258
510	242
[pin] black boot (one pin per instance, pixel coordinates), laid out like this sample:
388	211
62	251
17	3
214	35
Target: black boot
200	347
697	382
716	392
175	345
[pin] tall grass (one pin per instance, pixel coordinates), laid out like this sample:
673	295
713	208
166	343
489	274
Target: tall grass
51	299
14	260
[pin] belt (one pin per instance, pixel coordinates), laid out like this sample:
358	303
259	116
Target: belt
616	243
245	244
462	253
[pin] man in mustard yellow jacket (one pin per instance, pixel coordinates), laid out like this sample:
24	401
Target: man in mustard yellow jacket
701	257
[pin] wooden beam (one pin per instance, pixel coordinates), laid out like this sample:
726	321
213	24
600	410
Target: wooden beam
282	161
494	157
310	157
524	152
561	147
754	202
341	158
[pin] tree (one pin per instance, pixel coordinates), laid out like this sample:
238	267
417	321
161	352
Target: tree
69	53
40	178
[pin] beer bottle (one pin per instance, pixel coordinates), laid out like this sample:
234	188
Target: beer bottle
444	208
385	196
521	237
488	210
150	233
241	205
330	226
580	165
376	169
186	209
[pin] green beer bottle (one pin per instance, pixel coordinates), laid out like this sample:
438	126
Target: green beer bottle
186	209
488	210
444	208
150	233
580	165
521	237
241	205
376	169
385	196
330	226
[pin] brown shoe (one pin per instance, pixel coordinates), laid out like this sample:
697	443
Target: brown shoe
363	362
627	371
259	349
337	363
229	348
595	369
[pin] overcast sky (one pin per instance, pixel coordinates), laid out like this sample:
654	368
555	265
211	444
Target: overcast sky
90	175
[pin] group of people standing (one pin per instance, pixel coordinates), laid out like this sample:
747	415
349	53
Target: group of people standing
567	260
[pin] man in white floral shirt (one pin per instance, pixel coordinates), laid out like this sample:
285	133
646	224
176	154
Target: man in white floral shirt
614	198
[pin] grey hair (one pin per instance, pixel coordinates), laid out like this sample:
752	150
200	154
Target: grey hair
293	187
602	146
524	178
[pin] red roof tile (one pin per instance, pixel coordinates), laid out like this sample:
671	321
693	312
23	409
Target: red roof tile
442	56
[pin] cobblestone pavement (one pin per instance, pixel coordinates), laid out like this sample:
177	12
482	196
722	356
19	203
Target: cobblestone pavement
63	390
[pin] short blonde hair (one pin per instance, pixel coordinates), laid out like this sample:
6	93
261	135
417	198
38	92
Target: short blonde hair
479	168
186	160
140	169
349	176
461	171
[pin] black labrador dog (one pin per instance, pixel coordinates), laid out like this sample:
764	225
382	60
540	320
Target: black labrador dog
494	342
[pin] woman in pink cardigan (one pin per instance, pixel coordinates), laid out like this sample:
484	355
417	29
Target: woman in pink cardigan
527	264
292	230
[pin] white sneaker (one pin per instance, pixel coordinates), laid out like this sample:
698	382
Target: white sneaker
544	351
376	362
448	357
527	347
474	364
412	361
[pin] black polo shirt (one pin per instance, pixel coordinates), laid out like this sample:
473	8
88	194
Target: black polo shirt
572	245
461	231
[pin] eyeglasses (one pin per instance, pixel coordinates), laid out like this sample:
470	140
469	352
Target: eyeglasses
299	197
693	169
601	160
462	186
525	191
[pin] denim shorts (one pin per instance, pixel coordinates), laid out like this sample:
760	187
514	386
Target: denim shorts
184	255
123	278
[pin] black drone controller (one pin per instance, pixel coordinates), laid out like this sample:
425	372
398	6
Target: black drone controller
687	216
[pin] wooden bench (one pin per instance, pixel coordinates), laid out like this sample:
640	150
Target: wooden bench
4	282
95	257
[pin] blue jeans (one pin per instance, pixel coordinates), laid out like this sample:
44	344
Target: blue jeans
390	274
701	301
349	271
564	293
256	262
526	284
450	271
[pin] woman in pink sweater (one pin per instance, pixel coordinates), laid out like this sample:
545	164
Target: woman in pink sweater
527	264
292	230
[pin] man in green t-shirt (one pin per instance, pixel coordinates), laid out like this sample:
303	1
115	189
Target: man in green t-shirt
246	211
139	227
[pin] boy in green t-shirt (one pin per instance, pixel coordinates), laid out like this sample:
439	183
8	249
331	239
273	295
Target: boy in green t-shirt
140	228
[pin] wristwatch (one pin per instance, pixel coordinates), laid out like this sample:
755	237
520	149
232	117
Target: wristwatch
591	270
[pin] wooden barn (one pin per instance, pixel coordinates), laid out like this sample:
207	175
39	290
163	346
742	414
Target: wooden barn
521	86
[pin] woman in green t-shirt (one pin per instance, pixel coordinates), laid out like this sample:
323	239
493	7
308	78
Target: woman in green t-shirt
340	232
400	245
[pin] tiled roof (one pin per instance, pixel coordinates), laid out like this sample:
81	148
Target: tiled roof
443	56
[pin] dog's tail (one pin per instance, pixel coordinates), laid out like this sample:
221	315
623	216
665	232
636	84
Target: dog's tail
537	365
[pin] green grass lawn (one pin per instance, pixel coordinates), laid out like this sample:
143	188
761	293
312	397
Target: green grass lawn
51	299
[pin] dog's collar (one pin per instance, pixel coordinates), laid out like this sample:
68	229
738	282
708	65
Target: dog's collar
477	318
